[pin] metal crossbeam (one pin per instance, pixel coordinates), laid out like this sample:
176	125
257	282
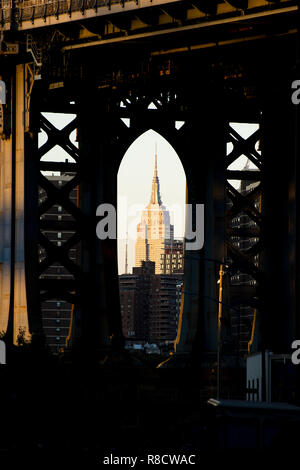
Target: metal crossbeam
244	227
50	13
59	195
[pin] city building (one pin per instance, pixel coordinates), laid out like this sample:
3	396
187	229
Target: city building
164	307
56	313
135	290
154	228
150	304
151	296
172	258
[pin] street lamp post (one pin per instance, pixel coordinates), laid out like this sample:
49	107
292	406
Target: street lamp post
220	304
221	274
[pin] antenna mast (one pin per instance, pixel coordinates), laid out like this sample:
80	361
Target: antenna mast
126	254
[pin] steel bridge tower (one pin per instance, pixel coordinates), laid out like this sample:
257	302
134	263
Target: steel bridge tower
207	64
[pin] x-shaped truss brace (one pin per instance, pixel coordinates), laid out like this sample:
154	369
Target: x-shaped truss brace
244	204
65	289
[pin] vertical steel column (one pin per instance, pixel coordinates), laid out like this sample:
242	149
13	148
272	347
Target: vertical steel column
20	300
192	299
98	289
214	244
5	227
205	171
108	166
31	215
278	207
294	185
14	317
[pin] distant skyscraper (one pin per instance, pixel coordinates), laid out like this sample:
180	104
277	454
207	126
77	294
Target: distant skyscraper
155	228
150	296
126	255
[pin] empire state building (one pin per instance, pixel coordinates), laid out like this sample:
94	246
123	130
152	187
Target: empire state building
154	228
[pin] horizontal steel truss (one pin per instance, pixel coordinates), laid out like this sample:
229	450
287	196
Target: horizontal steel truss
49	13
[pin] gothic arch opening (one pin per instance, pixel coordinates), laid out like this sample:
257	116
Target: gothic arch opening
151	230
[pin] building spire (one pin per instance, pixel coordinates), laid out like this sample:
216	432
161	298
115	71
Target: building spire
155	168
126	254
155	193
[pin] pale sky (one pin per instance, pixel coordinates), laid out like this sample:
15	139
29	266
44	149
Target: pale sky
134	187
59	121
135	179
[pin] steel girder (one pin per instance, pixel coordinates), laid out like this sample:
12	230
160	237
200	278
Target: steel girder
244	221
59	195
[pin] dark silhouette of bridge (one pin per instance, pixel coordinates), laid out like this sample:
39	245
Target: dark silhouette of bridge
205	63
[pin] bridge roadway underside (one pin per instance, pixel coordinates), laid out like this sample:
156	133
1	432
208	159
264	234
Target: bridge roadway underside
207	86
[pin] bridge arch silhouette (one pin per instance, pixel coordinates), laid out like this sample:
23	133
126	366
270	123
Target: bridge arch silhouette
206	83
115	139
134	190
